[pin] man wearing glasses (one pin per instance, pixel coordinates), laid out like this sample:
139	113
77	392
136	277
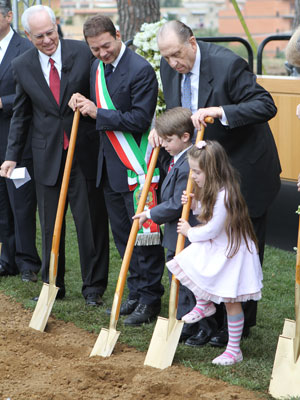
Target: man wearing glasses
46	77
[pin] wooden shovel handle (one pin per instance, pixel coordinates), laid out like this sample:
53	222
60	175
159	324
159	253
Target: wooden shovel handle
298	256
133	233
64	189
174	291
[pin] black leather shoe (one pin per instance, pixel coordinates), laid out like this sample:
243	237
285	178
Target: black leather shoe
29	276
93	299
143	314
188	330
220	338
60	294
200	339
3	271
127	307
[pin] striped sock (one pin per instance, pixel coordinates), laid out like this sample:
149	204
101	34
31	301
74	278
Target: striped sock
202	309
235	330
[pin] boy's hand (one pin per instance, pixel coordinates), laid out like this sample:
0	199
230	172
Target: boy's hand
183	226
142	218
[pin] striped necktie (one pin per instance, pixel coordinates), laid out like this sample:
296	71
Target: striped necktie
186	100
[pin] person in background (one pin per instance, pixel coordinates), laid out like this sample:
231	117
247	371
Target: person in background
46	77
17	206
213	81
124	94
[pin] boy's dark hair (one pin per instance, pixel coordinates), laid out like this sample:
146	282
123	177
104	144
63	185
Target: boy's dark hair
175	121
98	24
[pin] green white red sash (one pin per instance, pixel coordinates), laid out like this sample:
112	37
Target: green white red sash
135	158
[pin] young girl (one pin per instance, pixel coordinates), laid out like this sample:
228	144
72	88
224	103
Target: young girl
221	264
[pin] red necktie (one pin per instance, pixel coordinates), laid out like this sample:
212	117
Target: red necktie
54	84
171	164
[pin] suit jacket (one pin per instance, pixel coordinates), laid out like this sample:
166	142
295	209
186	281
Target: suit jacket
36	106
133	89
169	210
225	80
17	46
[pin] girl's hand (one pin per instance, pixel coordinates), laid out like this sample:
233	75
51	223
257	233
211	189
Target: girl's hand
183	227
298	111
184	197
142	218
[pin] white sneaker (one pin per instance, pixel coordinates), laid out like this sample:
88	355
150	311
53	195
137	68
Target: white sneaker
196	314
228	359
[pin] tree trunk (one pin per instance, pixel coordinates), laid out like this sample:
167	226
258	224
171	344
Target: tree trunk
296	22
133	13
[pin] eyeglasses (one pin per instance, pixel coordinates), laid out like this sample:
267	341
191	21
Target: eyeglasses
42	36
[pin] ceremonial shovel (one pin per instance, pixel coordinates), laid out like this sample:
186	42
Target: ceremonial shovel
49	291
167	332
107	338
285	379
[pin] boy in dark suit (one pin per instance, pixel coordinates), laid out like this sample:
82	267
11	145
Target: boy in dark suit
176	129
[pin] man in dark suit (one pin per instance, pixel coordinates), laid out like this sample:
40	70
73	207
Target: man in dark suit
132	88
222	86
17	206
64	65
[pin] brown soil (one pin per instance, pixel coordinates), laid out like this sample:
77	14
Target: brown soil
55	365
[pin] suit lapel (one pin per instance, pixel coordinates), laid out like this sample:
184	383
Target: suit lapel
206	78
13	50
67	64
119	73
169	175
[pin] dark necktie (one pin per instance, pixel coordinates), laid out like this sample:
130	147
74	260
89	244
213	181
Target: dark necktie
171	164
186	100
54	84
108	71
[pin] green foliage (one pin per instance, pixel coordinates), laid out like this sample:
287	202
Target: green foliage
170	3
259	349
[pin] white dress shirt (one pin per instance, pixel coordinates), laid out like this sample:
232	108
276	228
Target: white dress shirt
4	43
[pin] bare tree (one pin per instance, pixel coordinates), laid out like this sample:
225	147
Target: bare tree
133	13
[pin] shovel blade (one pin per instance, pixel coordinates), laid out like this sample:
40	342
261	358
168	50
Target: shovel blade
105	342
163	344
43	307
285	375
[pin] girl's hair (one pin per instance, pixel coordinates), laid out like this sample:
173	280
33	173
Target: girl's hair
219	173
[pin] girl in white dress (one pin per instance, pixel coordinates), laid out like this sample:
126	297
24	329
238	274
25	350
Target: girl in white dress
221	264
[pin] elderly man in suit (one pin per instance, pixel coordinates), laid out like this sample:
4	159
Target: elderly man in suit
46	78
123	106
220	85
17	206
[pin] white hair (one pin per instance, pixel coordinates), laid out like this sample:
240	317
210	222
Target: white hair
29	12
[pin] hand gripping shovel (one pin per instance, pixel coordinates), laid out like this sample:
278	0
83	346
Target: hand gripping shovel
285	379
107	338
49	291
167	332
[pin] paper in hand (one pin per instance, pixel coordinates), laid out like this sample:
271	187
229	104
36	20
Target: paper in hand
20	176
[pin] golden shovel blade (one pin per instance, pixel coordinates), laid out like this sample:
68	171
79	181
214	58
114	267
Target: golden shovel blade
164	343
105	342
43	307
285	380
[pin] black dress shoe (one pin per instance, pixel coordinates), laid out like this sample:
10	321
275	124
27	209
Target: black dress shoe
93	299
127	307
200	339
188	330
220	338
60	294
3	271
29	276
143	314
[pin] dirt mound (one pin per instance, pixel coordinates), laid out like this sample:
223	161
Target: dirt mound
55	365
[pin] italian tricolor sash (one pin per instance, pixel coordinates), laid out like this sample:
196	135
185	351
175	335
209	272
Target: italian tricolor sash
135	158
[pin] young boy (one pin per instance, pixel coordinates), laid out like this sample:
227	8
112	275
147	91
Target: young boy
176	129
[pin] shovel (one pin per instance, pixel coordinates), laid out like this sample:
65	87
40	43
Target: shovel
107	338
285	380
49	291
167	332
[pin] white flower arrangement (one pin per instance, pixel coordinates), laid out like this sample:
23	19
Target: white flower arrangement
146	46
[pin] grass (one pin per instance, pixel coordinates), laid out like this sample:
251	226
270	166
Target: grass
259	349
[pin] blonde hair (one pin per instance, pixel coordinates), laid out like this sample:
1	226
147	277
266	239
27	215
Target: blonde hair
219	173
